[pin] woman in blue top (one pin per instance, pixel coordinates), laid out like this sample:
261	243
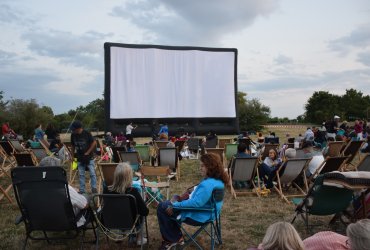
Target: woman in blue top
214	176
39	133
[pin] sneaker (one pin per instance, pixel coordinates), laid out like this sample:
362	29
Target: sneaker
139	242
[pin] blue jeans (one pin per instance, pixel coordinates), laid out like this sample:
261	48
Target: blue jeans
81	171
270	172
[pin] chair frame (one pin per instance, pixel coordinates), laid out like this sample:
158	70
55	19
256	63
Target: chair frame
6	165
25	159
193	145
131	157
170	164
248	175
352	150
217	151
126	219
223	141
39	183
328	166
364	163
287	177
215	224
335	148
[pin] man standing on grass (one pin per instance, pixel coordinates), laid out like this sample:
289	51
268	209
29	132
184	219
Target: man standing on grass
83	145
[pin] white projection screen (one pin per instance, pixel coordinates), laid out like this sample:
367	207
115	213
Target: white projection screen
155	82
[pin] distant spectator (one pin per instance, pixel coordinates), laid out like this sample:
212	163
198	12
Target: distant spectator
309	135
129	129
51	132
7	132
332	126
108	139
163	129
163	137
243	151
358	129
261	138
39	133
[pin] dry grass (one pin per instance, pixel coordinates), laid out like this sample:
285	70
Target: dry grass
244	220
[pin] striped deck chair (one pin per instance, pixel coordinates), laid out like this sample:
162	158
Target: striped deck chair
352	150
330	164
243	170
287	173
335	148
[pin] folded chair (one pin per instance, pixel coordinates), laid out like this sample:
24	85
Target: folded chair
118	218
194	147
44	201
132	157
169	157
243	170
287	173
212	226
364	163
162	176
323	199
25	159
352	150
335	148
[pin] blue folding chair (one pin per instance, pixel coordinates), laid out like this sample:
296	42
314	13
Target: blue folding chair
214	223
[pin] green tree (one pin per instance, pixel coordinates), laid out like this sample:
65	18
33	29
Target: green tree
24	115
2	107
354	104
322	106
252	114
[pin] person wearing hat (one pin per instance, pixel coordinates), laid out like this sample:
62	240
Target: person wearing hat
332	127
83	145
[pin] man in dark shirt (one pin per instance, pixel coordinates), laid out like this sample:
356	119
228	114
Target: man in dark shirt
83	146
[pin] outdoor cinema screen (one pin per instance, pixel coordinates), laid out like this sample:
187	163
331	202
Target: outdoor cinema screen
149	81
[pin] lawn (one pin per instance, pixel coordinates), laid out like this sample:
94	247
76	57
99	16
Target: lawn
244	219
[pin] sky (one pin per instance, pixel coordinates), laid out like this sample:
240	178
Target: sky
52	51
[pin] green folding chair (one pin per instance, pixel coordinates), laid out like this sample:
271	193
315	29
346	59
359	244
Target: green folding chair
230	150
144	152
322	200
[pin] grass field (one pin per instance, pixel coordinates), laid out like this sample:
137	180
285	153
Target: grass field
244	220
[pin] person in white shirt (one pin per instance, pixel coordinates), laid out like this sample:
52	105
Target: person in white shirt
129	129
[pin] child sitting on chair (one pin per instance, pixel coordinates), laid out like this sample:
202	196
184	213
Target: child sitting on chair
268	168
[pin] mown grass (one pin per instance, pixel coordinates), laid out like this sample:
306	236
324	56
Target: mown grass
244	219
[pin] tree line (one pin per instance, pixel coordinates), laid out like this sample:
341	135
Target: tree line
24	115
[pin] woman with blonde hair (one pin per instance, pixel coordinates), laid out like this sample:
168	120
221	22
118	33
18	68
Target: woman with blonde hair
359	235
281	236
122	184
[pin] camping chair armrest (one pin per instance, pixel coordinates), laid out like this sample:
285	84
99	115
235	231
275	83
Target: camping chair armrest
193	209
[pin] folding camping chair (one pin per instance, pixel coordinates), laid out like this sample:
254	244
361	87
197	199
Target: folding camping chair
25	159
352	150
132	157
194	147
214	221
44	201
323	199
169	157
118	218
287	173
157	172
243	170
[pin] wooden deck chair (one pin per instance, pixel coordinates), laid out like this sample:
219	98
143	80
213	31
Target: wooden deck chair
268	147
106	174
40	153
222	142
144	153
364	163
162	182
287	173
194	147
352	150
133	158
217	151
335	148
230	150
243	169
17	146
25	159
45	143
328	165
115	151
7	164
169	157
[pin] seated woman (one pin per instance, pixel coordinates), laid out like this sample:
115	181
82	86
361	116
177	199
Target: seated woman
122	184
268	168
281	236
214	176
